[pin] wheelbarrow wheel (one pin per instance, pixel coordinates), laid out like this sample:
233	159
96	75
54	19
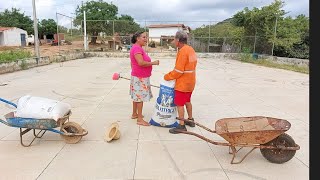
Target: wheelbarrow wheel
71	127
277	155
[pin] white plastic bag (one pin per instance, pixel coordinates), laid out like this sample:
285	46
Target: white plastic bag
165	112
41	108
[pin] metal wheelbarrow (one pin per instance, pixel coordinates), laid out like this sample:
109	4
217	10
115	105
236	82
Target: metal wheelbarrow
71	132
266	133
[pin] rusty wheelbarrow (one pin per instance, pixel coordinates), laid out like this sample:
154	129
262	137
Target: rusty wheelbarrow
71	132
266	133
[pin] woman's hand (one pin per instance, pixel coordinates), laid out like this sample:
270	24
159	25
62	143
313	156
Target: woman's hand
155	62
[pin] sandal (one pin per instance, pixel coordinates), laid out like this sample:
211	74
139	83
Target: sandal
191	124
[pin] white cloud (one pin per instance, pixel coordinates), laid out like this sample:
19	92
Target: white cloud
160	10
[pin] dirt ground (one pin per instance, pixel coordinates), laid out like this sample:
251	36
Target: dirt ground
49	50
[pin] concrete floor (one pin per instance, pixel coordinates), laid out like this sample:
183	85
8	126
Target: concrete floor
225	88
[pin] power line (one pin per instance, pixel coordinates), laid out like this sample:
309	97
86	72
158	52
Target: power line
44	5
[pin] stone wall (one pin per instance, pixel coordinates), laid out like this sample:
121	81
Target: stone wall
30	63
283	60
23	64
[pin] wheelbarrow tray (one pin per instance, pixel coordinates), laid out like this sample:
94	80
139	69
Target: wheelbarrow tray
251	130
35	123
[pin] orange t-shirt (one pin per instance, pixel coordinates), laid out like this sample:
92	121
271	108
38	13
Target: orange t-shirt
185	70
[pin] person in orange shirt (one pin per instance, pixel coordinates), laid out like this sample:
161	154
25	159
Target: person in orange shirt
184	73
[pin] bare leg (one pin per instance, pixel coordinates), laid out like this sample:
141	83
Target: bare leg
189	110
140	120
134	110
181	114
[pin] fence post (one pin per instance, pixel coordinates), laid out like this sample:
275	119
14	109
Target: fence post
145	29
240	45
58	33
193	41
209	36
275	35
114	38
223	45
254	44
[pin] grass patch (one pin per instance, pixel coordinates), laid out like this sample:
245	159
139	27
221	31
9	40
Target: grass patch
23	64
13	55
247	58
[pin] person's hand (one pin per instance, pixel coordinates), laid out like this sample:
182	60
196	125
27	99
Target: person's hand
156	62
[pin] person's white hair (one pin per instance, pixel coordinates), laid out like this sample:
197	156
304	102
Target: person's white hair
182	36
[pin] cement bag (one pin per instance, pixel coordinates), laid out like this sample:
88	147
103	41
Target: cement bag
41	108
165	112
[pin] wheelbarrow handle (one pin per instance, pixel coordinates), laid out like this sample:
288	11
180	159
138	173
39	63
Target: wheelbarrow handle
198	124
4	122
150	84
8	102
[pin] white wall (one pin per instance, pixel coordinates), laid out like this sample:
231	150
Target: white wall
156	33
12	37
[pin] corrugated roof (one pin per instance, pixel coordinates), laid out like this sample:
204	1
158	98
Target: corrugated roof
165	25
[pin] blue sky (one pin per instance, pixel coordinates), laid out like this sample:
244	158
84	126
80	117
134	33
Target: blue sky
180	11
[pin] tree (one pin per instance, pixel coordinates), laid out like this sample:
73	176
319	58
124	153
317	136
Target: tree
293	37
15	18
260	23
219	33
126	25
97	10
102	17
47	26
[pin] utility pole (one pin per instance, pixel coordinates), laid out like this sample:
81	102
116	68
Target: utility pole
114	37
209	36
35	26
58	32
84	29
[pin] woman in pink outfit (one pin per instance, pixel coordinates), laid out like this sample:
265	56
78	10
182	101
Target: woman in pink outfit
141	68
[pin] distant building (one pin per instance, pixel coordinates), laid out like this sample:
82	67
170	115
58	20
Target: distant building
165	31
12	36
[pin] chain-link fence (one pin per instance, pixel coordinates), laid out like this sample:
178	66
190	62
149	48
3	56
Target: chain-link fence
68	37
115	35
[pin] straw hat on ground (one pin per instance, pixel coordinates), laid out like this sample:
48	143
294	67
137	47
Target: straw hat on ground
112	132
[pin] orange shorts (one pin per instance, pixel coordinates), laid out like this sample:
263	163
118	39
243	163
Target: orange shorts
181	98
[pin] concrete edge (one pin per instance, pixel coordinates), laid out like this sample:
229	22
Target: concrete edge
23	64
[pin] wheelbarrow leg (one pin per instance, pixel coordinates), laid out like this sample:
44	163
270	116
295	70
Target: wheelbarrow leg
234	151
230	152
35	136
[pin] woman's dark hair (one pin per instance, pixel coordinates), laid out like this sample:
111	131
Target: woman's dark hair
135	36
